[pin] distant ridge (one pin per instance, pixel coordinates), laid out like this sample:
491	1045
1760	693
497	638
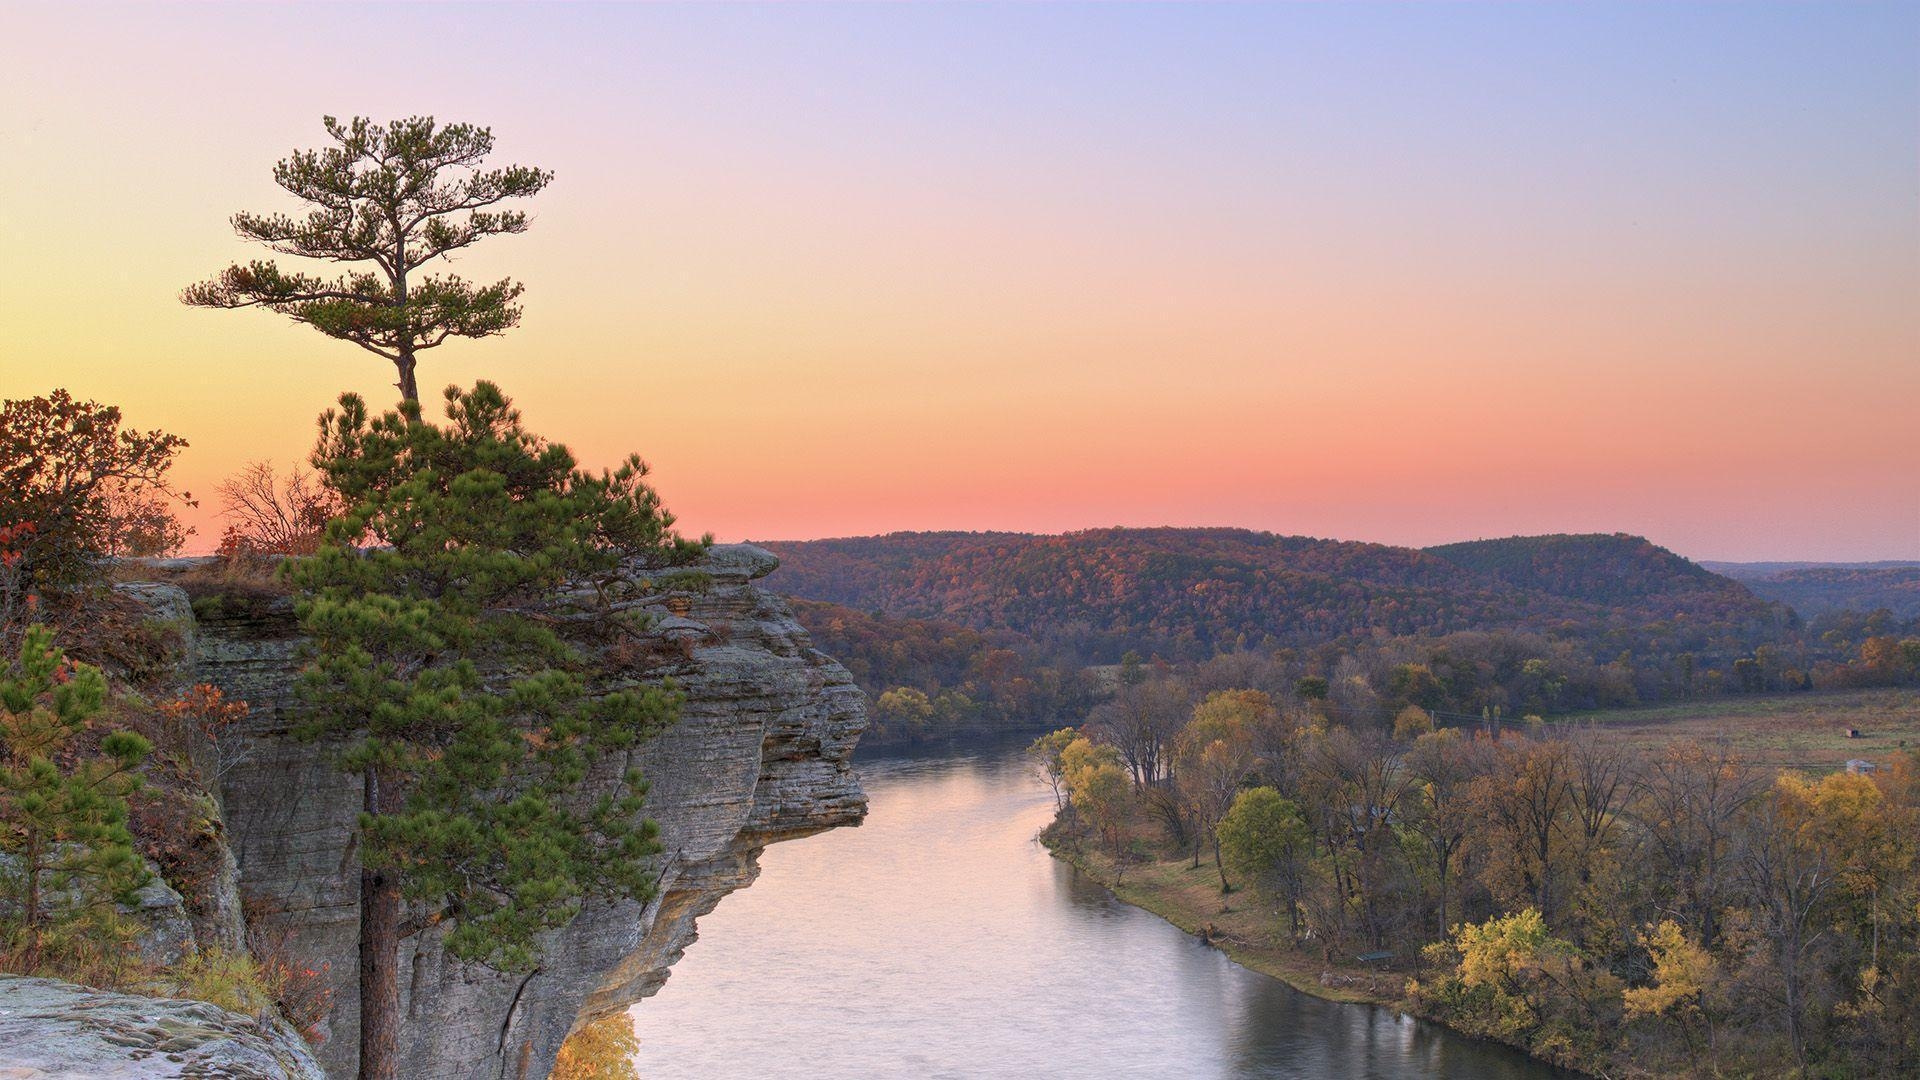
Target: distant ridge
1812	588
1754	571
1187	592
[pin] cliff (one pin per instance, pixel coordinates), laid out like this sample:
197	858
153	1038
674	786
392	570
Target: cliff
759	754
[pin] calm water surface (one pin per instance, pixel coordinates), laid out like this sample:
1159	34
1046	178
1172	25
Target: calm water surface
940	940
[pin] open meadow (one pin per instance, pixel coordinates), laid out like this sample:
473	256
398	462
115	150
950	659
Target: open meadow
1801	730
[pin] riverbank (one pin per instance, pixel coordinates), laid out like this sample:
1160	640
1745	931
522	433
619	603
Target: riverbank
1024	968
1237	924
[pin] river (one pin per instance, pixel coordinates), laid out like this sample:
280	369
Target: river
940	940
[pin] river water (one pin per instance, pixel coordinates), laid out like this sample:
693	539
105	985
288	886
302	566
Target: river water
940	940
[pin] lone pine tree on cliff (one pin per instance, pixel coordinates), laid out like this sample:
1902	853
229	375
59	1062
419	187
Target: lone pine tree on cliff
386	200
451	671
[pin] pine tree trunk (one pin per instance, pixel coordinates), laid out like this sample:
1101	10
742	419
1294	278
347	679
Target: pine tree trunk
409	388
379	944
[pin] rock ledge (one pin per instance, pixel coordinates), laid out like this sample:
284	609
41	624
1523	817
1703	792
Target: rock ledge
53	1030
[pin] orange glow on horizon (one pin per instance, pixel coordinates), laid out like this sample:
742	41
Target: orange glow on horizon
1051	296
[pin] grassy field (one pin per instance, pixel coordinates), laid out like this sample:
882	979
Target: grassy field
1804	730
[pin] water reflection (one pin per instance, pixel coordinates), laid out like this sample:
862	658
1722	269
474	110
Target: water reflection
938	940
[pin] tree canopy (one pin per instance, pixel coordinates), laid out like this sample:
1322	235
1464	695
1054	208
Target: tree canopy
77	486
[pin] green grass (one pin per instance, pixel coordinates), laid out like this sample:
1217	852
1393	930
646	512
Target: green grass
1801	730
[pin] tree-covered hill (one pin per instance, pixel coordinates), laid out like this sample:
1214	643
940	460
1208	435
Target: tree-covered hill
1614	569
1190	593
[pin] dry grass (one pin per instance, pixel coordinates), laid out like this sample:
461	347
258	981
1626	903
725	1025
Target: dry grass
96	948
239	586
1803	730
246	576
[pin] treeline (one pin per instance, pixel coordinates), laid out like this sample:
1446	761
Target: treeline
933	677
972	631
1679	912
1515	673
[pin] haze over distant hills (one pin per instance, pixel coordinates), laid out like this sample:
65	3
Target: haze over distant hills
1812	588
1191	592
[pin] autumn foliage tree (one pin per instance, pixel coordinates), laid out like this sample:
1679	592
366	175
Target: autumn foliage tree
1048	756
78	486
384	200
1511	978
601	1049
447	671
1097	787
1213	755
1685	980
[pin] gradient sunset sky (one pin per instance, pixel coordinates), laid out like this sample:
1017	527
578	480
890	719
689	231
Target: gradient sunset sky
1406	273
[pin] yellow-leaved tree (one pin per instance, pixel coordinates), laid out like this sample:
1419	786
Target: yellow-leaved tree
1684	973
1099	790
601	1050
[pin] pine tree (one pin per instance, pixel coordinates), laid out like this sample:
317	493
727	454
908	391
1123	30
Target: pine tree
389	199
447	666
64	822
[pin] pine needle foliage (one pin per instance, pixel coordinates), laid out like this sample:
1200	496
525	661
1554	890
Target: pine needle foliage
63	814
447	666
386	200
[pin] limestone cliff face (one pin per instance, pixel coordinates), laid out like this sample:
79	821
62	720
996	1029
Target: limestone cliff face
760	754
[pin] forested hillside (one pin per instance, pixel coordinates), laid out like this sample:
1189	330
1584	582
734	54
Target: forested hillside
933	676
1192	593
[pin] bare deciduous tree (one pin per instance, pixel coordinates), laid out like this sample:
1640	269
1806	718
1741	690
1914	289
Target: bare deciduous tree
269	514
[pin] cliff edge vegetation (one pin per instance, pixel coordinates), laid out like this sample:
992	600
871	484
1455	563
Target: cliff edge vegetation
451	658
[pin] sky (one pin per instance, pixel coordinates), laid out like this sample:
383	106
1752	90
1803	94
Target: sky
1409	273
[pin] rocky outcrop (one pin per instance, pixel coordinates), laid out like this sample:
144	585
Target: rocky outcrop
53	1030
759	754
